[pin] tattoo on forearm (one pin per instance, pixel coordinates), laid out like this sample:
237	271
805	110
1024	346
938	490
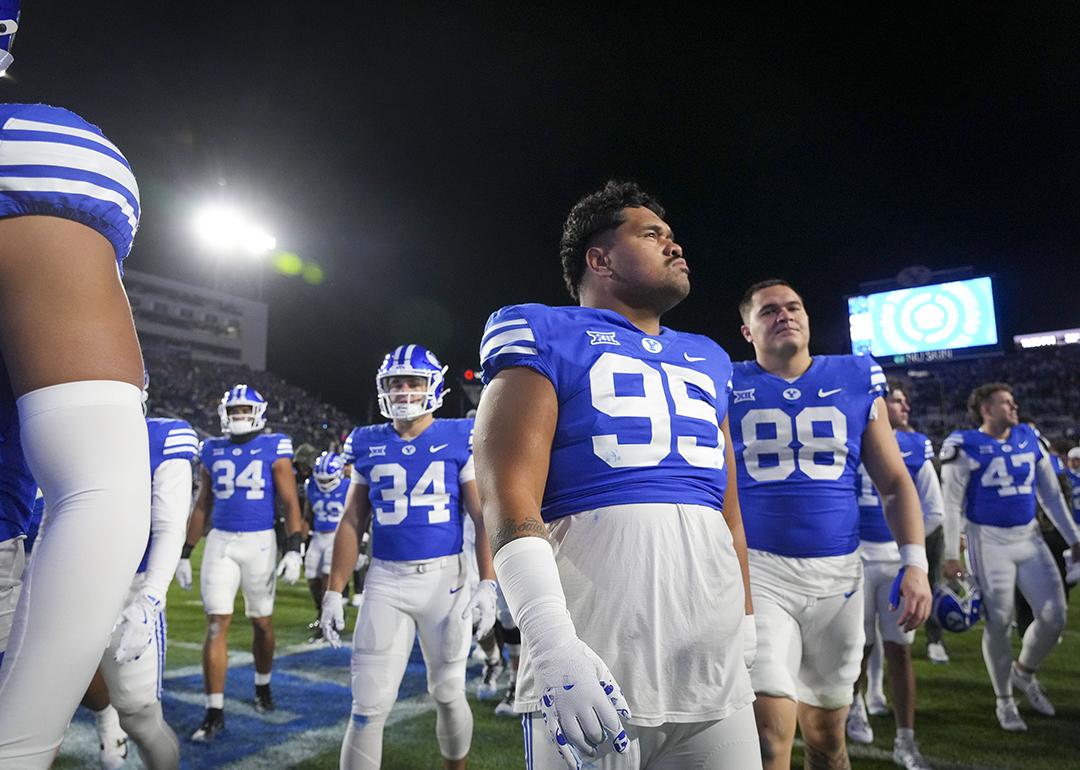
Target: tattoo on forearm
512	530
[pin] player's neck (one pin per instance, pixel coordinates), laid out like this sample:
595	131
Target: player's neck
645	319
408	429
783	365
999	432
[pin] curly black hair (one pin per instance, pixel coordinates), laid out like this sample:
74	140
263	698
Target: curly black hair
596	213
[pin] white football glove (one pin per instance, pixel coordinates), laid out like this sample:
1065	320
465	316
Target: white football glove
482	609
749	641
138	624
1072	568
581	702
289	567
183	574
332	620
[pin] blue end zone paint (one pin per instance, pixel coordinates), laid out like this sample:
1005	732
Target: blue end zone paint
312	704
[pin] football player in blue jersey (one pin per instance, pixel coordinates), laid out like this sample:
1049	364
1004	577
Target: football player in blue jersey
414	475
1072	473
881	563
245	472
800	426
324	502
990	476
70	411
607	480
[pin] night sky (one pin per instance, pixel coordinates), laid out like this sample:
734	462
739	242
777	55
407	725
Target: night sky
425	155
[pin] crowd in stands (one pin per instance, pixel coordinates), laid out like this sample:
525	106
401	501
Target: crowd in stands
191	389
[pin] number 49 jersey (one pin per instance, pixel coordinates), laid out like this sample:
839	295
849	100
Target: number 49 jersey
797	447
1001	489
326	507
414	487
639	415
243	479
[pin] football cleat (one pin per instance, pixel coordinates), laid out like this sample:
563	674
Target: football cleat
876	705
242	410
489	681
9	25
936	653
505	707
410	361
1009	718
1033	691
906	754
264	701
212	724
329	471
858	723
956	605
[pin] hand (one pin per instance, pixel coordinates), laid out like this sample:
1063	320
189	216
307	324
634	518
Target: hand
289	567
748	629
581	702
332	620
952	570
911	592
183	574
482	609
138	624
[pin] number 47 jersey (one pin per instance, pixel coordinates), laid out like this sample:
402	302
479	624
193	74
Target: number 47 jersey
639	415
243	479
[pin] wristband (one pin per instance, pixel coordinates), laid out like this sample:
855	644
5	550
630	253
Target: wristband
292	542
185	552
914	555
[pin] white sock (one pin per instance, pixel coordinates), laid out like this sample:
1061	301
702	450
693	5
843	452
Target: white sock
905	734
261	679
107	719
86	445
215	700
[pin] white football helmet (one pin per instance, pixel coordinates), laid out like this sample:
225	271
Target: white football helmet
410	361
241	423
329	471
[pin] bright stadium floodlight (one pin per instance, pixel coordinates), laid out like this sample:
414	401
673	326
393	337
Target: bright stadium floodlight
223	229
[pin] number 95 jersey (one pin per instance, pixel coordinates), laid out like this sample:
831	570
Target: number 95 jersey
639	415
414	487
243	479
797	447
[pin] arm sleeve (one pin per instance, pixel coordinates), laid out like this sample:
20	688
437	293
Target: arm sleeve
955	476
1049	494
170	504
929	488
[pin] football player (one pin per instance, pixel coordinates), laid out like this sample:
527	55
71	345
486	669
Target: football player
246	472
607	480
990	477
70	411
800	427
324	502
413	475
1072	473
134	662
881	563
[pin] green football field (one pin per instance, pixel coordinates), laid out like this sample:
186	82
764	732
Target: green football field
955	722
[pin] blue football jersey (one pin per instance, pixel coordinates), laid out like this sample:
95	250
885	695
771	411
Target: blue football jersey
169	440
915	450
414	487
1074	482
326	507
243	479
797	448
1001	490
639	415
17	486
54	163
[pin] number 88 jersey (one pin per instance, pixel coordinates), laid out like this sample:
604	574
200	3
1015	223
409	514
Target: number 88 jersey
243	482
797	447
639	415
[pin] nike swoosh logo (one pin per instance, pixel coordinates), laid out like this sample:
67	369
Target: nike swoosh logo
821	393
255	451
849	594
1023	445
438	448
692	359
455	590
905	454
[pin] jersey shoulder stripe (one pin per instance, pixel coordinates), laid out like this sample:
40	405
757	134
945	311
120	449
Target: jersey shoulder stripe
508	335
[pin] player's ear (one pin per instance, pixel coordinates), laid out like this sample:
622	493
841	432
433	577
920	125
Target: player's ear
597	260
746	333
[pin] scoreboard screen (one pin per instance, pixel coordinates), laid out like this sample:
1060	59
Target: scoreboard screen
925	322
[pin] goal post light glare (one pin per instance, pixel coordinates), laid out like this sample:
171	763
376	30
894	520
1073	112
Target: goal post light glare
222	229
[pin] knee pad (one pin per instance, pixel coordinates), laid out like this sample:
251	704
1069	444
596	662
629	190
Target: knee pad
449	686
453	727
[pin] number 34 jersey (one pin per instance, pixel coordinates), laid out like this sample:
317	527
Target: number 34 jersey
639	415
243	482
797	447
414	487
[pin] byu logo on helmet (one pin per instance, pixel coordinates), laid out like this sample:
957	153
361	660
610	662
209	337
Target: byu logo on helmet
242	410
956	608
329	470
9	25
400	397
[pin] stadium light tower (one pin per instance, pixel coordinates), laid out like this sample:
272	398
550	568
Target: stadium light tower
227	232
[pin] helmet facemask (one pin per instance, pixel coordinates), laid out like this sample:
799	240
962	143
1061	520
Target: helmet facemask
412	403
237	420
